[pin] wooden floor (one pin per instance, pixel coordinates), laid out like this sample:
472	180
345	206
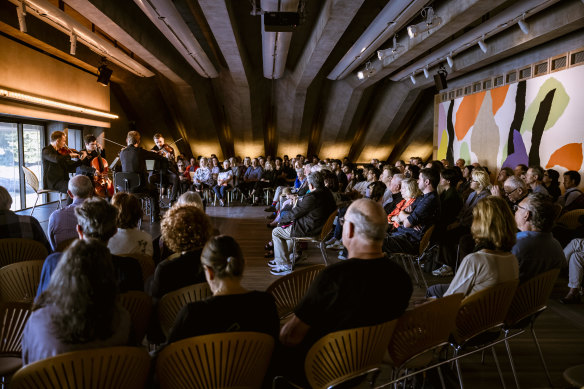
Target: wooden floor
560	329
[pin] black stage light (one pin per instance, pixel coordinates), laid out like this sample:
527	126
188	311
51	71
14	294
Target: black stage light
104	74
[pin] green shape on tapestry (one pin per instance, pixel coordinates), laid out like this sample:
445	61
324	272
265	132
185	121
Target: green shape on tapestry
464	152
559	105
443	145
505	151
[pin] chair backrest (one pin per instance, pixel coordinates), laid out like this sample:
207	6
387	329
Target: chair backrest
14	250
171	303
224	360
20	281
328	226
423	328
341	355
31	179
139	305
112	368
13	318
146	263
483	310
127	182
288	290
570	219
426	239
531	297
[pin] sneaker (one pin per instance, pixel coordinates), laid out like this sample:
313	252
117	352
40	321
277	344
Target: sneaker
281	270
222	202
337	245
571	299
444	271
273	263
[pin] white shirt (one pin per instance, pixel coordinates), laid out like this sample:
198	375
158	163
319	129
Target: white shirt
131	241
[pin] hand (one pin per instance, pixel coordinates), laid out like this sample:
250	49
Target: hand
408	209
496	191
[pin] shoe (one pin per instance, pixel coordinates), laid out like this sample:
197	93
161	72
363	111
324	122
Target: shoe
337	245
271	208
222	202
273	263
571	299
299	257
444	271
281	270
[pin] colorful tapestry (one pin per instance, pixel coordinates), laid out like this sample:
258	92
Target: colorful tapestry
534	122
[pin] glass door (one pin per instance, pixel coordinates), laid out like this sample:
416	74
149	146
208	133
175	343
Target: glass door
32	135
9	170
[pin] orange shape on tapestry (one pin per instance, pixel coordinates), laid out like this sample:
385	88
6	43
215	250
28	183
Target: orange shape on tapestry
498	96
568	156
467	113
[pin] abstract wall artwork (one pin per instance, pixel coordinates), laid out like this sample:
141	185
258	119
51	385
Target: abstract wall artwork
539	121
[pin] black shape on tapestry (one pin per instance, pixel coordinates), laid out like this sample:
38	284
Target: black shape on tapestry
539	126
450	130
518	117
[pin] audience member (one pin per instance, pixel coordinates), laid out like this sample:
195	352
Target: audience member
533	178
224	182
505	173
450	202
551	180
190	198
520	171
129	239
572	198
574	253
63	222
409	193
250	177
203	177
396	196
464	187
78	310
19	226
461	163
514	189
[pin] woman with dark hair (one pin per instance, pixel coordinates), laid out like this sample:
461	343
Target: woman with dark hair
78	310
551	181
464	186
232	307
129	239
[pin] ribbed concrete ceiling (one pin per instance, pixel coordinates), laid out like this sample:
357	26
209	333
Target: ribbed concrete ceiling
209	86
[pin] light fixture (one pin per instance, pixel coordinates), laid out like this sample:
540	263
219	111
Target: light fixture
482	44
450	61
431	21
104	73
426	74
367	72
394	50
523	25
73	41
413	78
54	104
21	13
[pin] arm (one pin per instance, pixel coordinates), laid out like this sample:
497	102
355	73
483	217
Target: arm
302	208
293	332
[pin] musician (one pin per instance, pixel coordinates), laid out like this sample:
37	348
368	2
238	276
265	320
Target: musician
133	159
165	171
93	149
58	163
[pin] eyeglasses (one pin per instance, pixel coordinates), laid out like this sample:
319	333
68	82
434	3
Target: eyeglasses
517	207
510	193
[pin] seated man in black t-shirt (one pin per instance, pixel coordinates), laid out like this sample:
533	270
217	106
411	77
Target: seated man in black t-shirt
366	289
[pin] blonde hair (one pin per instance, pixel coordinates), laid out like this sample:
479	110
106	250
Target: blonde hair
482	178
493	224
410	187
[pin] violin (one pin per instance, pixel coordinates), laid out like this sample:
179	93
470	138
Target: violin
68	151
102	184
166	151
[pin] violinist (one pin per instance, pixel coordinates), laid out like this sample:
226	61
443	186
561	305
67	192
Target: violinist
58	163
165	172
93	149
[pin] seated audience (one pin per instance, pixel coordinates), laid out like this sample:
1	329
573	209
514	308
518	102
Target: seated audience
19	226
572	198
376	191
96	219
250	177
395	188
551	180
185	229
129	239
224	182
574	253
536	249
409	193
232	307
366	289
78	310
520	171
63	222
514	190
203	177
505	173
464	187
533	178
493	229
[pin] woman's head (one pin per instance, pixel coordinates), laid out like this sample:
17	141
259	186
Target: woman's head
130	210
480	180
376	190
185	228
83	289
190	198
493	224
203	162
223	255
268	166
410	189
551	177
467	171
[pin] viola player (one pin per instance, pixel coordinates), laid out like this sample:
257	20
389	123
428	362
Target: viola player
165	172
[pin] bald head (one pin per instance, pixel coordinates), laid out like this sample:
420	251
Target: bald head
369	220
80	186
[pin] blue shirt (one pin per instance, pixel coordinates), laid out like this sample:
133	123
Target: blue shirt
253	174
537	252
63	224
425	213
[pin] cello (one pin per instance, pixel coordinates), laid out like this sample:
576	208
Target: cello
103	185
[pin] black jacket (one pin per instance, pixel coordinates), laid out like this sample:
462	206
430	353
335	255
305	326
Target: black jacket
310	214
133	160
56	168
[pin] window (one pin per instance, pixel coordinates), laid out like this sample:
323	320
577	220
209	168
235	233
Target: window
74	138
9	171
32	136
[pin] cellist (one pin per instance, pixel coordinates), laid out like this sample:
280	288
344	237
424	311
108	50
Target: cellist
93	149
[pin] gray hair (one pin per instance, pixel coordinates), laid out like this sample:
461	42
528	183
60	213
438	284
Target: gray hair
365	225
316	179
80	186
542	210
97	219
516	182
5	199
190	198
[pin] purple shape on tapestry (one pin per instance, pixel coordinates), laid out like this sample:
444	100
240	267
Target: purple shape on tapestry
520	154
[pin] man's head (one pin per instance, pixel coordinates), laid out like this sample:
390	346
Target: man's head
90	142
5	199
203	162
520	170
401	165
571	179
395	185
461	163
373	174
412	171
449	177
58	139
80	187
133	138
534	175
428	180
96	218
515	189
536	212
365	226
159	140
255	162
315	181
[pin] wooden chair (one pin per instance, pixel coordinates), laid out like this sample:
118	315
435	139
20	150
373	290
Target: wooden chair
139	305
413	262
171	303
569	219
13	318
320	239
112	368
529	302
347	355
224	360
146	264
14	250
32	181
479	320
421	332
20	281
289	289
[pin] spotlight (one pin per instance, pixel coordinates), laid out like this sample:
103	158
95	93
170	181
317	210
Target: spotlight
73	41
413	78
426	74
440	79
396	49
431	22
104	74
523	25
483	45
21	13
450	61
367	72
